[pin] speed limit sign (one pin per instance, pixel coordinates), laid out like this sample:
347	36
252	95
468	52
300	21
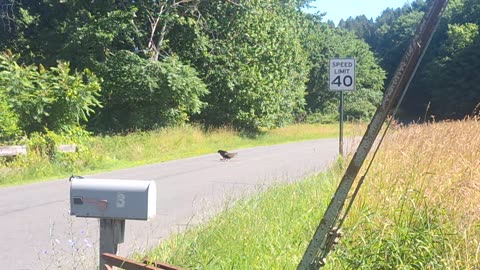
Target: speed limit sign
342	74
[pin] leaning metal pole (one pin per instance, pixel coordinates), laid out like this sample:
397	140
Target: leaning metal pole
398	84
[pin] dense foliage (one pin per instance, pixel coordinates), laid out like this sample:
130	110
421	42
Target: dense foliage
144	94
446	85
249	64
36	99
324	43
256	67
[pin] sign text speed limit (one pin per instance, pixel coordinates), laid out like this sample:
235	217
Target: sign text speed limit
342	74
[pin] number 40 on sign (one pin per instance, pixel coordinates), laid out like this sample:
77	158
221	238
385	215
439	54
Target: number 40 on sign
342	74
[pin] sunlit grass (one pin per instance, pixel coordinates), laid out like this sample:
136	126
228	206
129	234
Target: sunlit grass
418	209
265	231
105	153
175	143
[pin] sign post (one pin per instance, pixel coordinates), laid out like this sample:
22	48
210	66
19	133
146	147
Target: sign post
341	78
340	140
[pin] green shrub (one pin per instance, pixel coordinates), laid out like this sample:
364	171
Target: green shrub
320	118
145	94
36	99
9	128
43	158
45	145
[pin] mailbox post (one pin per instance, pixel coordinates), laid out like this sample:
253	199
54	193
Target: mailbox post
112	233
112	201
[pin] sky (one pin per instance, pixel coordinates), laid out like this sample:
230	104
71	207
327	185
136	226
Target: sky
342	9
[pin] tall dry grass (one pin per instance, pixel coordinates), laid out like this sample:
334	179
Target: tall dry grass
420	205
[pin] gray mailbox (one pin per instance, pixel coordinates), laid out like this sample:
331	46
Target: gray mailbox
112	199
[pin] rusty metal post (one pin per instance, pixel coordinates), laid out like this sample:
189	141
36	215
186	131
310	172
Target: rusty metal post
400	80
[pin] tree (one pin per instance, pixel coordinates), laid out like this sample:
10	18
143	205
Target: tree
394	39
144	94
97	35
250	54
324	43
454	92
446	83
364	28
140	26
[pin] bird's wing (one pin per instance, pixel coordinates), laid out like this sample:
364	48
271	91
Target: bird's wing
231	155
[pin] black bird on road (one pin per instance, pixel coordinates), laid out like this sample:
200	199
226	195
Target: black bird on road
226	155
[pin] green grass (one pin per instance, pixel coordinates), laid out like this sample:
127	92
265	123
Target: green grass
114	152
266	231
418	209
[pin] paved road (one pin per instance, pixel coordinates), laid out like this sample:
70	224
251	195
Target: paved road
37	231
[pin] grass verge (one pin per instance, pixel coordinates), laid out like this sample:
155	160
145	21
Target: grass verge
104	153
265	231
418	209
